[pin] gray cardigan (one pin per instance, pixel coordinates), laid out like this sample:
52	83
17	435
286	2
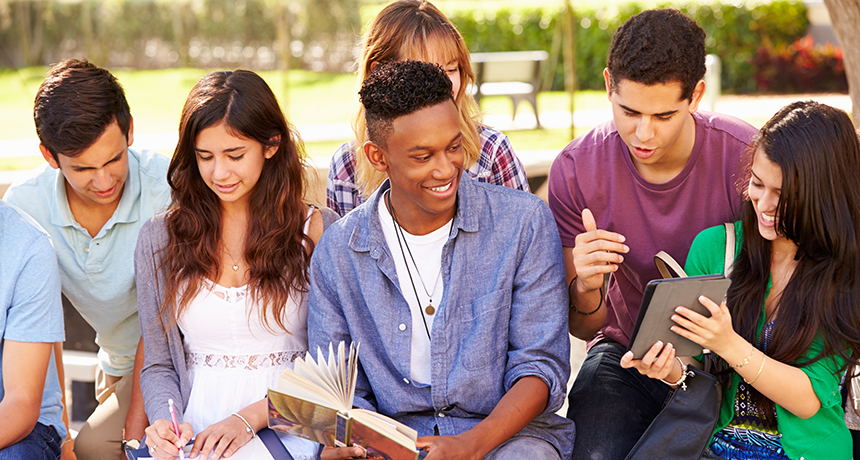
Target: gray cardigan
164	375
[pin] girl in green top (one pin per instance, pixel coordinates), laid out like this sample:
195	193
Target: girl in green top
791	321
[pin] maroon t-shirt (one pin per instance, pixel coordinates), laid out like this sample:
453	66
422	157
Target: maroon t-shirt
595	171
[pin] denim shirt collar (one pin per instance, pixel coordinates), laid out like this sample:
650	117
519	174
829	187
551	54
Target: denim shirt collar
368	234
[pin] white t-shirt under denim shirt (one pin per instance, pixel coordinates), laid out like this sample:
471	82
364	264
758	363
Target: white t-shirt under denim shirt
427	252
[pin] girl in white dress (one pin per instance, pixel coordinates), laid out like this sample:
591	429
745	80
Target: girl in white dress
223	273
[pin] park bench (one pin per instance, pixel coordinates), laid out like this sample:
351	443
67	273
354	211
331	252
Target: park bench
515	74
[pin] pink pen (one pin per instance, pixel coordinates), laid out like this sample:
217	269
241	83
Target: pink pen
175	426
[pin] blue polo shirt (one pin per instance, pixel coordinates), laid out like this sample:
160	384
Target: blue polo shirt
97	273
30	306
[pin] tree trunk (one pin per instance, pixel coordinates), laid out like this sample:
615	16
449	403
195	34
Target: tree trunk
845	16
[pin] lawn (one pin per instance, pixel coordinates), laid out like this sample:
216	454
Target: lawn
156	98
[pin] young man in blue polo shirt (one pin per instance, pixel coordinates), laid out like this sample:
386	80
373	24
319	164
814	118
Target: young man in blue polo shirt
92	197
31	320
454	288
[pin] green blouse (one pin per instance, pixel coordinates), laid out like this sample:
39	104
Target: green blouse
822	436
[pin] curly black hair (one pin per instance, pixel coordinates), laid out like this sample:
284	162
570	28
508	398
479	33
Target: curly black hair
395	89
658	46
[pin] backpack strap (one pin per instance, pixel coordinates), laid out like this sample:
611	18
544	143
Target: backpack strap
664	261
730	249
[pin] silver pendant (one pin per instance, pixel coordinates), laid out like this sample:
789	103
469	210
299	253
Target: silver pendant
235	267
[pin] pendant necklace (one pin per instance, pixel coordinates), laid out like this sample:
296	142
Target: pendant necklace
398	231
235	264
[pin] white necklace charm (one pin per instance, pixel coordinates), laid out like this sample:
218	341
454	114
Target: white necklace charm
235	267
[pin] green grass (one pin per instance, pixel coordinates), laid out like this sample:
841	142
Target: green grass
156	98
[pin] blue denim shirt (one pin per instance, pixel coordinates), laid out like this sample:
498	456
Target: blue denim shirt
503	315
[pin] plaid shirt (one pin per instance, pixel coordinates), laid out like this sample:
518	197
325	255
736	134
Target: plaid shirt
497	165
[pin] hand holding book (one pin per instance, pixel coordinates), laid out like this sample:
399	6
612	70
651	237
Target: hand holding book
314	401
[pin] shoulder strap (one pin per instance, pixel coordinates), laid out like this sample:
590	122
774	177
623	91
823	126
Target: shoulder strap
662	260
730	249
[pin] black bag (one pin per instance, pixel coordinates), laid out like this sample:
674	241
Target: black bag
684	427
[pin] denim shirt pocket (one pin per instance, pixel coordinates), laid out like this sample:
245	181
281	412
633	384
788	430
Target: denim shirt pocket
485	329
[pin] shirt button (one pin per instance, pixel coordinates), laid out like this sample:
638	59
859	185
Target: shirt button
441	414
406	380
86	250
402	327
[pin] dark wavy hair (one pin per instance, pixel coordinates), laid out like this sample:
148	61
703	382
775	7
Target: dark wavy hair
276	248
818	152
398	88
658	46
75	104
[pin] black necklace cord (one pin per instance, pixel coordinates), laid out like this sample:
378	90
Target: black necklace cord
399	228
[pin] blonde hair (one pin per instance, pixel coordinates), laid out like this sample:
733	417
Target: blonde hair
415	30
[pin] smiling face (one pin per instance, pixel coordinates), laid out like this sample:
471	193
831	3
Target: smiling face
764	190
97	176
423	158
230	165
656	124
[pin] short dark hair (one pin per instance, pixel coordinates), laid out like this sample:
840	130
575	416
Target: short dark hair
75	104
658	46
395	89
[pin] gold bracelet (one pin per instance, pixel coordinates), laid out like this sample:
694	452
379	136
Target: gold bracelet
750	382
746	360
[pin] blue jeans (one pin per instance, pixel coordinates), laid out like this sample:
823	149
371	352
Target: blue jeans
611	406
43	443
524	447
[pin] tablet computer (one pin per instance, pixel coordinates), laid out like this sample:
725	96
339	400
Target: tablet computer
659	303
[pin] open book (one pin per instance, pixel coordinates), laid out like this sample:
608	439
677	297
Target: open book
314	401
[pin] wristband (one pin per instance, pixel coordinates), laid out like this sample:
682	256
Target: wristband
575	309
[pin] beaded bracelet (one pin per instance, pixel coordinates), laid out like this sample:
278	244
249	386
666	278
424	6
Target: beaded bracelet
746	360
683	377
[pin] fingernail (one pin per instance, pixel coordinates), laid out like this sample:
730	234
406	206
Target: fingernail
622	239
626	248
660	342
678	309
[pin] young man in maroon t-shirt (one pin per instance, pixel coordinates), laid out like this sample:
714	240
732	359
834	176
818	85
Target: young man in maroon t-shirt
649	180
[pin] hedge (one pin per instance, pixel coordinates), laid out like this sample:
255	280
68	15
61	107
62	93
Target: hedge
321	34
734	31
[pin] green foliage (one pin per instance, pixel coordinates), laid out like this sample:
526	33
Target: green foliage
320	34
734	33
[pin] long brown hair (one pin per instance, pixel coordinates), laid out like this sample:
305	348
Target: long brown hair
818	152
276	248
415	30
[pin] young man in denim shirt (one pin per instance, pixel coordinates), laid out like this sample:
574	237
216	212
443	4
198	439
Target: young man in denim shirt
454	288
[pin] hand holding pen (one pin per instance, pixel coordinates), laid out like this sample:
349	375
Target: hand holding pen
165	438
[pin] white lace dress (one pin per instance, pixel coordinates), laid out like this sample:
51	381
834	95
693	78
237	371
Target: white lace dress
233	358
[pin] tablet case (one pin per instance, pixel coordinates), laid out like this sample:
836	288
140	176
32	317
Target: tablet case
659	303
